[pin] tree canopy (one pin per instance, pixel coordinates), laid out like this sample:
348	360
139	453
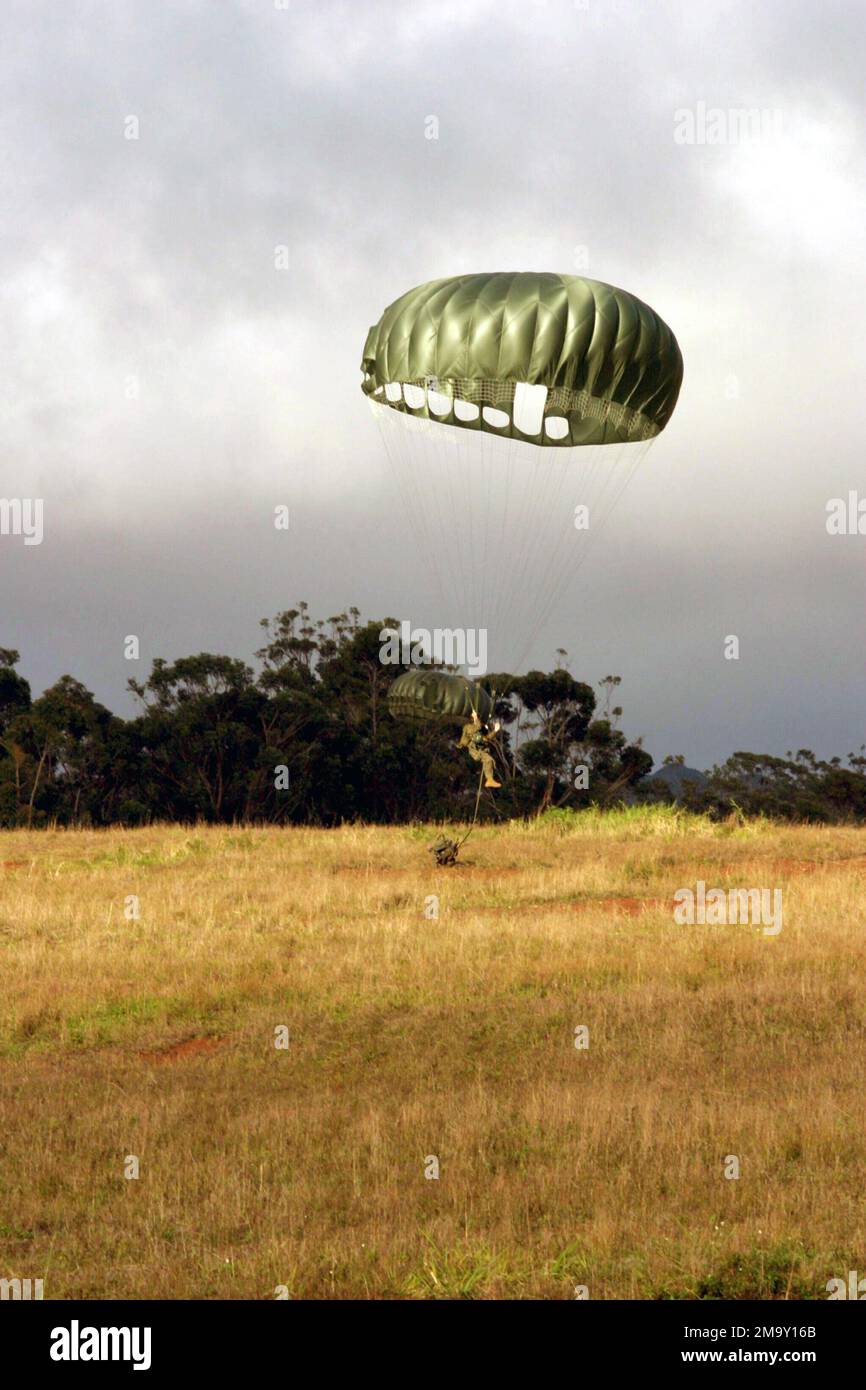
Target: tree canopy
306	737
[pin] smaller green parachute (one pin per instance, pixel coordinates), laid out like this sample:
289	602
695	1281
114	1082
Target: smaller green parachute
418	694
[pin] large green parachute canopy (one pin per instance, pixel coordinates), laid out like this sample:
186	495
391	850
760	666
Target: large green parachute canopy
425	694
454	350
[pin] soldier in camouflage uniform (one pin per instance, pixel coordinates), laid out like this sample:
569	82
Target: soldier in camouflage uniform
475	738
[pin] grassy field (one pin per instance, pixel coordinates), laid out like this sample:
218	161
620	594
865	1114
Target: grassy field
413	1038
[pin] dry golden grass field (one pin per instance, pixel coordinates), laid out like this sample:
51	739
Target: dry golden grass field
413	1038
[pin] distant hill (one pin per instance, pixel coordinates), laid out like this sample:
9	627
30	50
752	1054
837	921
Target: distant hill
675	776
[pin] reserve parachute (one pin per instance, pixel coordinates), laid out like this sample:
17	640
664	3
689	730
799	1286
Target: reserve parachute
438	695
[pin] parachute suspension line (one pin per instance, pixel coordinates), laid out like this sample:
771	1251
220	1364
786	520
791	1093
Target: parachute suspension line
499	484
545	494
442	470
582	477
472	561
526	483
517	481
497	491
460	518
529	482
489	561
507	602
603	513
484	527
448	465
407	483
450	476
562	566
493	519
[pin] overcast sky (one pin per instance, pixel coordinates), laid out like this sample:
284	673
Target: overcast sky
165	385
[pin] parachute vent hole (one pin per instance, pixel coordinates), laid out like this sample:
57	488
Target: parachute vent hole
413	395
497	418
394	391
556	427
466	410
439	404
529	403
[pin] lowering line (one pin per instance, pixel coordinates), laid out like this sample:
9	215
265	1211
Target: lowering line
445	851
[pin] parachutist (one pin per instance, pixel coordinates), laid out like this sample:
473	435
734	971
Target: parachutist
475	738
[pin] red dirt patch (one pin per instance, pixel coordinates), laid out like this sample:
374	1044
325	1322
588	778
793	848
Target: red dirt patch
14	864
478	870
630	906
745	868
190	1047
811	866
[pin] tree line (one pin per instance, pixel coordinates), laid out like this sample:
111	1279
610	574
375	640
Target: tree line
307	739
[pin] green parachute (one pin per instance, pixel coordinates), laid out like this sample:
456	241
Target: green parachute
424	694
454	350
465	377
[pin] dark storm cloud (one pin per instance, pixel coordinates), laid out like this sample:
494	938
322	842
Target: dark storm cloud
165	386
